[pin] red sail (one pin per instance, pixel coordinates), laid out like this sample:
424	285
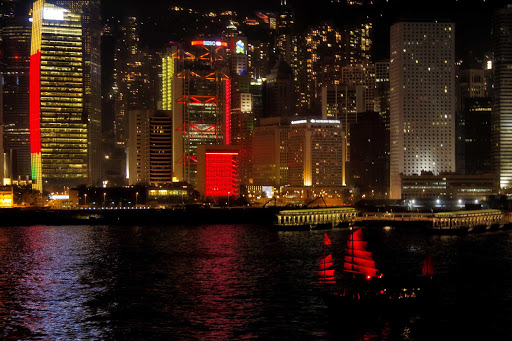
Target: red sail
428	267
359	254
357	258
326	263
357	244
327	241
326	273
360	261
361	270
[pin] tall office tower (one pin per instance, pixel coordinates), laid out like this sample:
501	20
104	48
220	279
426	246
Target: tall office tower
285	34
136	86
502	98
363	75
470	84
150	147
324	58
242	123
58	127
280	89
15	66
368	169
91	31
256	89
422	78
258	55
357	43
381	100
270	152
195	86
315	154
1	131
477	135
343	103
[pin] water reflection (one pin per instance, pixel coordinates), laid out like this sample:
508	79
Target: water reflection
232	283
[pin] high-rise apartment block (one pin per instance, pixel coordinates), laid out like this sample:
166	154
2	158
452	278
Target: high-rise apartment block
502	97
422	77
58	128
150	147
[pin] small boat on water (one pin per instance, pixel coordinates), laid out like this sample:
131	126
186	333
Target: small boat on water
365	292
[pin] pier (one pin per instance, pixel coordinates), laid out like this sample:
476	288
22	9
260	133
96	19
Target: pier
441	222
311	218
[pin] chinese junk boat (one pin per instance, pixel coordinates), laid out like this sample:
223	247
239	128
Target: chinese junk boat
365	291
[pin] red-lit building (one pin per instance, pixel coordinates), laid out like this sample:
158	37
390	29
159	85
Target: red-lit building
217	171
197	88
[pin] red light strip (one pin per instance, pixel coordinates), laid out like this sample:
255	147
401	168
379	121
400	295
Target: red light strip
208	43
228	111
35	103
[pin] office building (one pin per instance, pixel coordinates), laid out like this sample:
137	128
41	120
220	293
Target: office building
422	95
217	171
150	147
315	154
58	128
270	152
91	38
196	87
280	91
502	97
14	67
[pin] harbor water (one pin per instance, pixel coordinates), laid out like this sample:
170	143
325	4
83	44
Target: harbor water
235	282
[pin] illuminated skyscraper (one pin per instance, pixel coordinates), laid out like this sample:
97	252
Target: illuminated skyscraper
422	76
196	87
15	65
91	31
58	126
502	97
218	171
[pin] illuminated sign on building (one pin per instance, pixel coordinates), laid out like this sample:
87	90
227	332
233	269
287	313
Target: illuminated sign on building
317	121
209	43
240	47
53	14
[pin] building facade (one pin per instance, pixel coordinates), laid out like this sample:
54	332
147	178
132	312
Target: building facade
58	126
422	97
150	147
197	88
502	96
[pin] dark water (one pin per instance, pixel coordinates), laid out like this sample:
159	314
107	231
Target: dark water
233	283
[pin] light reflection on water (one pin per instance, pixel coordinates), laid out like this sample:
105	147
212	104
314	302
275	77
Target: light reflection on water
230	283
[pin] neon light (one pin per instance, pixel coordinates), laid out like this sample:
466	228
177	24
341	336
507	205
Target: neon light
240	47
228	111
208	43
35	103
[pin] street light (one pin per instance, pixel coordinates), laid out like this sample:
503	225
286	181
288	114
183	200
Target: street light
85	195
104	199
136	198
229	193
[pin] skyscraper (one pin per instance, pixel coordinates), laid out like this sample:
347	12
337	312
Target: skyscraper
502	97
196	87
15	65
150	147
91	38
422	76
58	126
